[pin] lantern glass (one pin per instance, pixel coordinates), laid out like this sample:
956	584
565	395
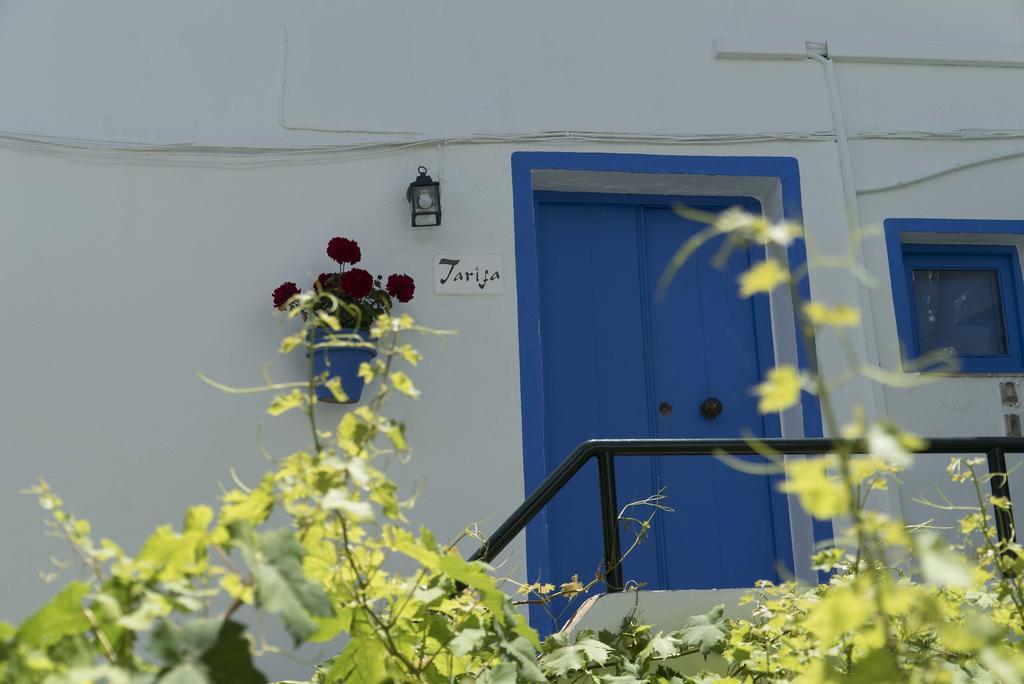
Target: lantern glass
425	200
424	197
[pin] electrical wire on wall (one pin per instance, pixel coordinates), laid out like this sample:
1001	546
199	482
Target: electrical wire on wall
959	166
211	154
362	150
391	142
206	154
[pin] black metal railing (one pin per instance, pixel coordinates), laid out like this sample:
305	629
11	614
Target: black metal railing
607	450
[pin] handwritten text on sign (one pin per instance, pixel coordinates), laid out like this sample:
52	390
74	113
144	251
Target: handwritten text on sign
469	274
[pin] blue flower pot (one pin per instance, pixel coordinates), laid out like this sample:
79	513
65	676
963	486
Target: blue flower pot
340	362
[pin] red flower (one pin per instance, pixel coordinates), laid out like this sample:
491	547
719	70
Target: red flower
344	251
283	293
401	286
357	283
323	280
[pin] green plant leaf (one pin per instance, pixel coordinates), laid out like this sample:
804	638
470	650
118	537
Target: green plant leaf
878	666
275	561
780	391
576	656
524	653
186	673
167	555
705	632
939	564
505	673
204	651
403	383
660	646
841	316
151	607
229	660
339	500
328	628
291	342
286	402
595	650
363	660
174	643
334	385
839	612
621	679
472	574
63	616
352	434
762	277
821	495
887	443
253	507
198	518
107	674
564	660
466	641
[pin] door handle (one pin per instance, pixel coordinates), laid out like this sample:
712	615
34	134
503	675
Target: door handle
711	408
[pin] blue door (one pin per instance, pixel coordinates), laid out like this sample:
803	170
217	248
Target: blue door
620	361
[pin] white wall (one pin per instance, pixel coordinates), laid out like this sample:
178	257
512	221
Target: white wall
122	272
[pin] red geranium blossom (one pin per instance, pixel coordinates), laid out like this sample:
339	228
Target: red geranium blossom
285	292
401	286
365	296
323	279
344	251
356	283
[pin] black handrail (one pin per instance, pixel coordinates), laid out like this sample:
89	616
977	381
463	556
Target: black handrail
606	450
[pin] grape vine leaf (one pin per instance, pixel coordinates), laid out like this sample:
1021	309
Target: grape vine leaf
505	673
204	651
706	632
575	656
275	561
62	616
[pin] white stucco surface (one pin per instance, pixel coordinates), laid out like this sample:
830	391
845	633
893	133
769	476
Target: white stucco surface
123	272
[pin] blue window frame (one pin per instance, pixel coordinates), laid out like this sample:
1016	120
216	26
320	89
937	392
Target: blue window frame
964	298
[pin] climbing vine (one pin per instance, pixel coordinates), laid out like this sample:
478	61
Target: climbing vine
322	544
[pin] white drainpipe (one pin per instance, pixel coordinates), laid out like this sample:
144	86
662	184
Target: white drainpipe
819	53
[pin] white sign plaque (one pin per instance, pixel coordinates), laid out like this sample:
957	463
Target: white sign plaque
469	274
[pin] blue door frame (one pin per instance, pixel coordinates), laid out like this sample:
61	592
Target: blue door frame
785	169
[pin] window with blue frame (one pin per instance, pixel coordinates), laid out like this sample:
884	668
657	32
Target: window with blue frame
962	300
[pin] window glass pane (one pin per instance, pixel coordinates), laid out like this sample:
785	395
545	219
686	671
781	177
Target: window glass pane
959	310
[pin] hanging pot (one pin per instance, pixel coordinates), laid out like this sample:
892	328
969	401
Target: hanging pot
340	362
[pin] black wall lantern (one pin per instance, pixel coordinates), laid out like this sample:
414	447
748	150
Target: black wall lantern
424	195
